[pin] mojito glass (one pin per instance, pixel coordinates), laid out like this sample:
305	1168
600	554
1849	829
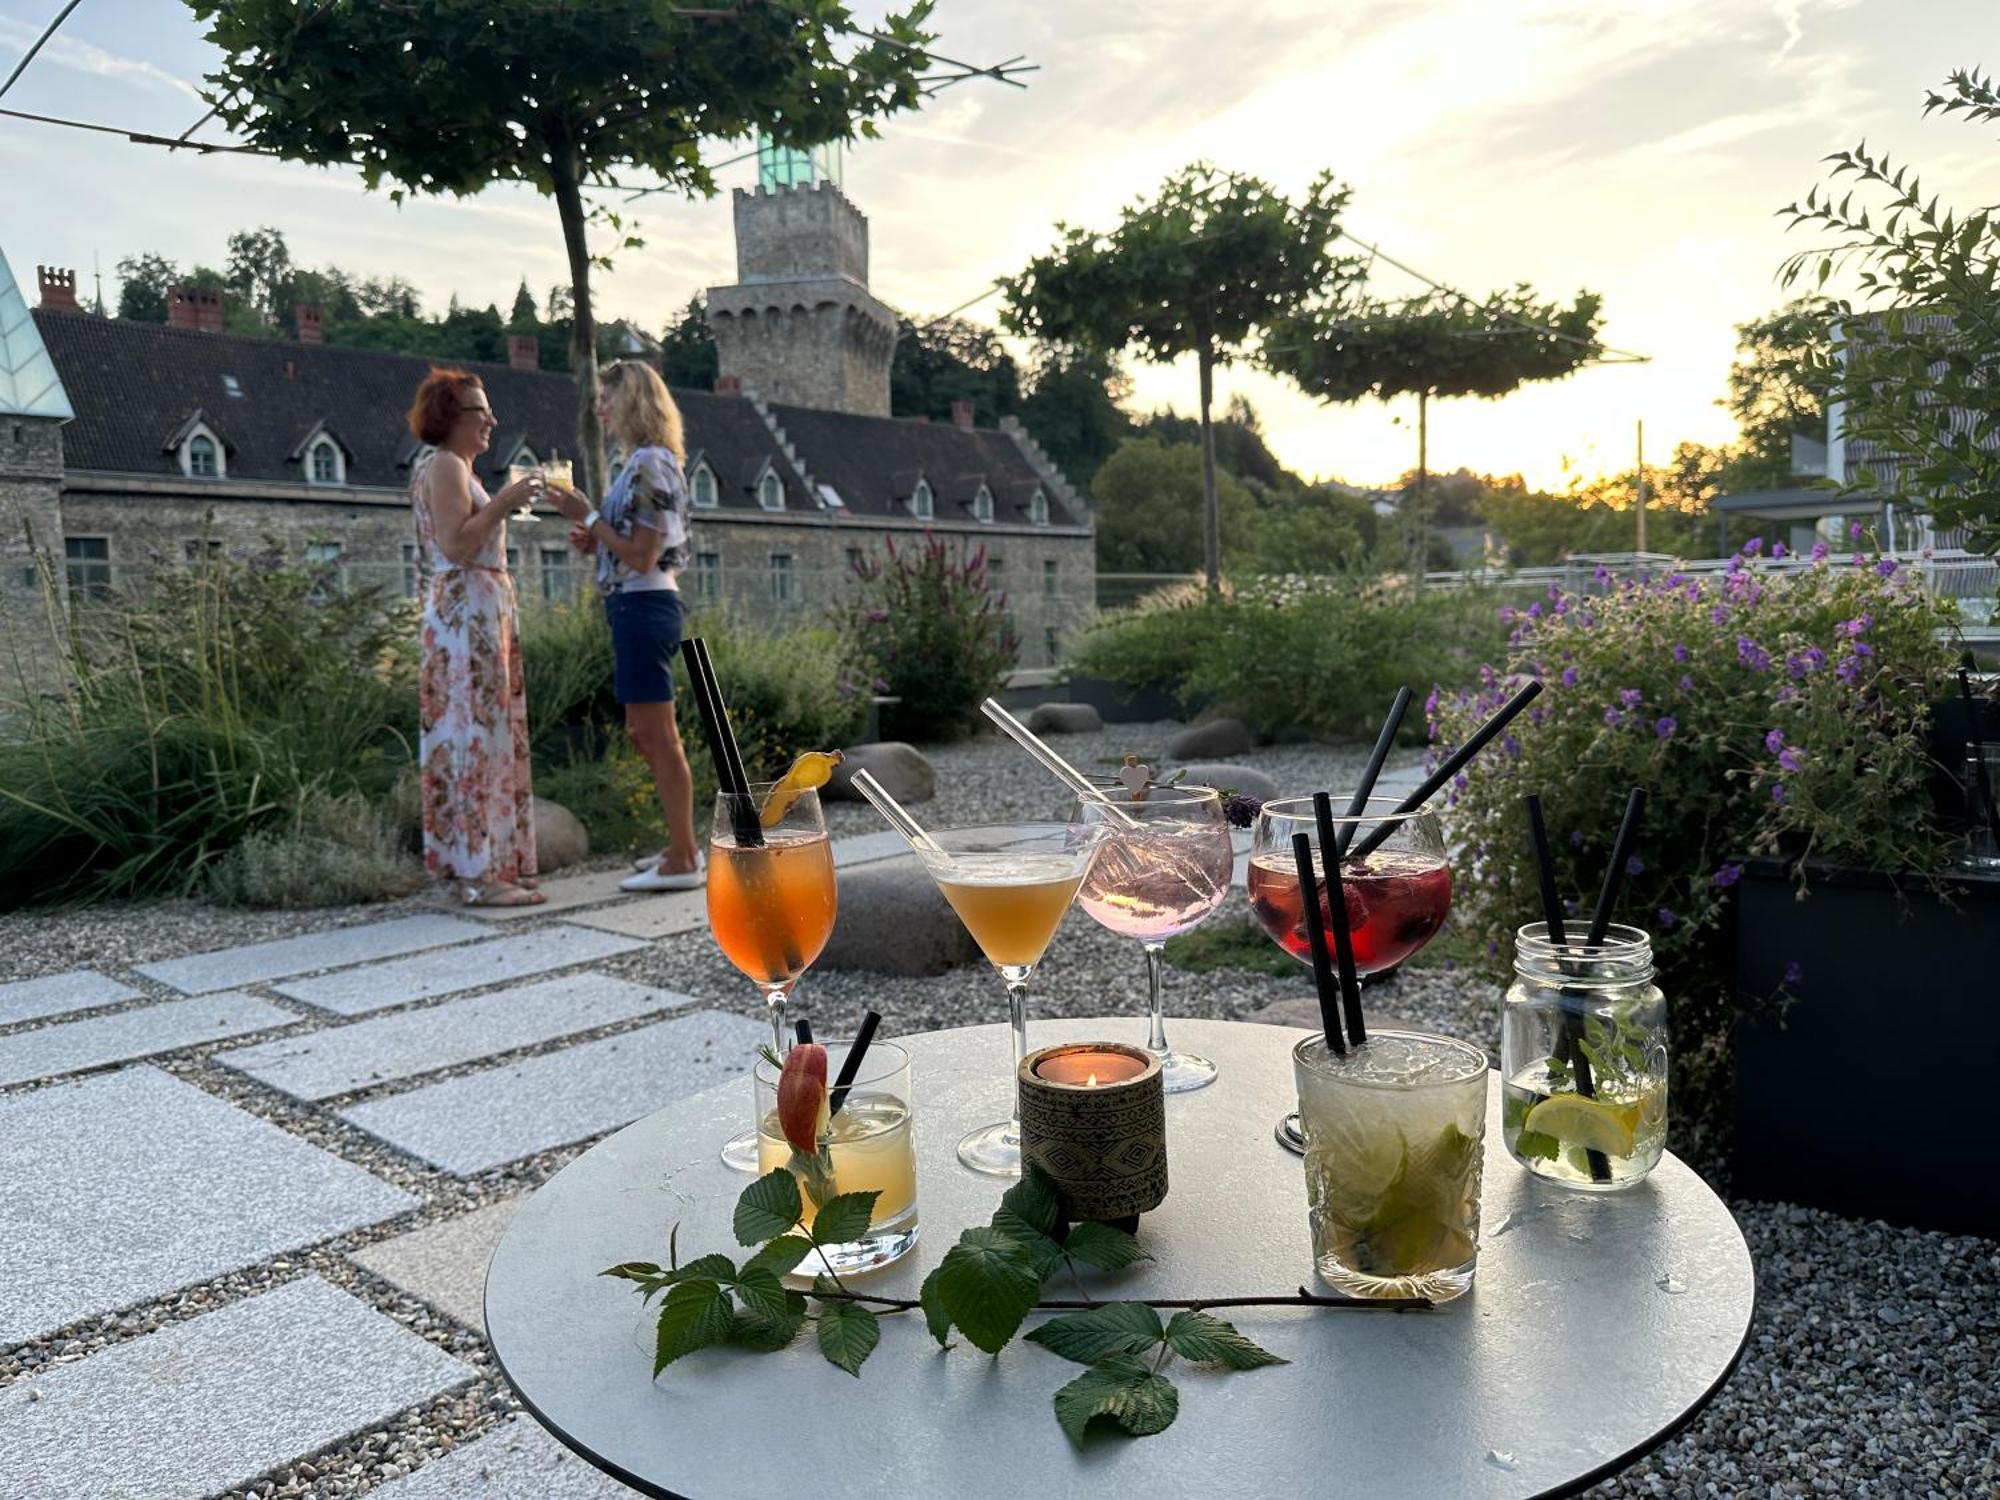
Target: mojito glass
1395	1137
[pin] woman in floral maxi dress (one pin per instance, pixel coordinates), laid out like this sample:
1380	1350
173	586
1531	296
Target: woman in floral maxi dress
478	798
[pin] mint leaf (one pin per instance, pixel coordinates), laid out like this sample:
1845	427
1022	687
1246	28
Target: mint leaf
767	1335
935	1317
768	1207
814	1171
1046	1254
695	1315
987	1283
848	1334
760	1291
1103	1246
1087	1337
1034	1200
1537	1145
1122	1389
632	1270
780	1255
844	1218
1204	1340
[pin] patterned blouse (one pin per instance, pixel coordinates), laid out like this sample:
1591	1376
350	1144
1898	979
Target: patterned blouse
650	490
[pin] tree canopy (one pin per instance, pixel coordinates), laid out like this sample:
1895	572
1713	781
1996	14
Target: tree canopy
951	359
1776	390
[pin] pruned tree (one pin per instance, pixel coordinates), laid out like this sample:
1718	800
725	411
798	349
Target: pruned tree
1212	260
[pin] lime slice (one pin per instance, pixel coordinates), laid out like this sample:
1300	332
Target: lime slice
811	770
1589	1123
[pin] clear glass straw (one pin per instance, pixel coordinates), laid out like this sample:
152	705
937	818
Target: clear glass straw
894	814
1029	741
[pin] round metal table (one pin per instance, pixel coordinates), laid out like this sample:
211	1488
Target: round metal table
1598	1326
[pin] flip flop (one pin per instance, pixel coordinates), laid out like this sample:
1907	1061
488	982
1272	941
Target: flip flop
501	895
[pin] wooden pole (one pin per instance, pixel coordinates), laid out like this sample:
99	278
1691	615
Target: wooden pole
1640	480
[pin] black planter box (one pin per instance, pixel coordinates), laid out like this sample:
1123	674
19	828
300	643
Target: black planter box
1874	1094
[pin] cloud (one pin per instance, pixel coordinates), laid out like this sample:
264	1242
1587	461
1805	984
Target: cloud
86	57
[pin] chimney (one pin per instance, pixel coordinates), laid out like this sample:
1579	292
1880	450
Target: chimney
524	351
194	307
58	288
310	318
729	385
961	415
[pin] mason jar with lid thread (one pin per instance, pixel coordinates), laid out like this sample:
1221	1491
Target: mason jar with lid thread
1584	1059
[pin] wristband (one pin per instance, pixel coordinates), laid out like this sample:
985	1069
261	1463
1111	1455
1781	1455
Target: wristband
591	520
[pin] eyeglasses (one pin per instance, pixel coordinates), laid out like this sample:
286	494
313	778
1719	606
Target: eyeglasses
483	412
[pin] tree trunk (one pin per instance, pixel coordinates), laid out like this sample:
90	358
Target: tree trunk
1211	517
564	175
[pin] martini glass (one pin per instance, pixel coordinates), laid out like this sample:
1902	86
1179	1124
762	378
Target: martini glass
1163	873
1011	885
770	908
1397	894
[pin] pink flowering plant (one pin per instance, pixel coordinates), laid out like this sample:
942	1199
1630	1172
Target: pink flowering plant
1778	709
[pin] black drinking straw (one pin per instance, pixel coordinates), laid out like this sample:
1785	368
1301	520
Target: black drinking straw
1545	873
1336	906
1365	788
1979	771
1323	981
722	743
803	1030
1569	1031
1621	850
851	1069
1453	764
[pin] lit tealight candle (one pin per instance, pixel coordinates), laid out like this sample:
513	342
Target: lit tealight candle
1090	1069
1094	1120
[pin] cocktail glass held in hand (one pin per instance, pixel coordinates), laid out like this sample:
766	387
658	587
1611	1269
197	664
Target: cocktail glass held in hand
515	474
770	905
1011	885
1162	874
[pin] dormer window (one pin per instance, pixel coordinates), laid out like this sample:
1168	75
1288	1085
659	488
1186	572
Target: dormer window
922	502
203	457
325	463
771	491
1038	509
982	505
703	487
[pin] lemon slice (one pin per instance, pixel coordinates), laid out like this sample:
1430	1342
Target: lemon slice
811	770
1589	1123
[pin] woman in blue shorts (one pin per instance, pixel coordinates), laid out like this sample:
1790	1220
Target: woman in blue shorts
640	538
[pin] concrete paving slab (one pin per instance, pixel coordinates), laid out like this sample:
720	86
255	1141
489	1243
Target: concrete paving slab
207	1404
480	1120
653	917
564	893
58	994
354	992
341	1059
866	848
232	968
119	1189
133	1034
444	1264
519	1461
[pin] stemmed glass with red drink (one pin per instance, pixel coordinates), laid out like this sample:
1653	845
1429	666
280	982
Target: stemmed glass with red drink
1397	891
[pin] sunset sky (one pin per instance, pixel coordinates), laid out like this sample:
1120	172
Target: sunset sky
1638	148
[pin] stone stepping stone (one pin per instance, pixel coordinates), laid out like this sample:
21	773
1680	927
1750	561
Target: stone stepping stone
341	1059
58	994
118	1189
466	1125
132	1034
866	848
204	1405
657	916
564	893
353	992
444	1264
513	1462
232	968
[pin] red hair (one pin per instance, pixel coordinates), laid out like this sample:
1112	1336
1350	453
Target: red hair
438	403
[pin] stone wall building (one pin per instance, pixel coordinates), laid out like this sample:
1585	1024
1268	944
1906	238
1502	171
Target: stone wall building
128	447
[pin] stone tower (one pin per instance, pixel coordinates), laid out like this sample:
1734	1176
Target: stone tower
800	326
33	407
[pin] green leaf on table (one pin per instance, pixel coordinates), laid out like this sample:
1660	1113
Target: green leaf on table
935	1317
1123	1389
768	1207
780	1255
1087	1337
633	1270
1203	1339
767	1335
1104	1246
1537	1145
1034	1200
760	1291
844	1218
848	1334
695	1315
987	1283
1046	1254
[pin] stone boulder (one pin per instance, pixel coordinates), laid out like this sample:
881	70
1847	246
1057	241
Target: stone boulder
893	921
901	768
1218	739
1246	781
561	839
1064	718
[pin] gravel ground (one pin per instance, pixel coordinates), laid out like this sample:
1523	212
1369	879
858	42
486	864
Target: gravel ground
1872	1367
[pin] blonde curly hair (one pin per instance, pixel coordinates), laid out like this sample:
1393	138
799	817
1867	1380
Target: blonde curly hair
643	414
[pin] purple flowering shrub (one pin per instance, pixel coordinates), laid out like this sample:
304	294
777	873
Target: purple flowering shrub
937	635
1766	712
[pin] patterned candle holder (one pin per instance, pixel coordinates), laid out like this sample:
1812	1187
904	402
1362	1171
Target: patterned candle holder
1094	1119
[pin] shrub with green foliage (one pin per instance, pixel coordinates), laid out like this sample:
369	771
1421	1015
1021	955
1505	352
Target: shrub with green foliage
1766	712
332	852
937	638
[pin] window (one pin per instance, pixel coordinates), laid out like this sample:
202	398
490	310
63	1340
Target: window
412	574
996	576
922	503
325	463
857	560
708	575
771	491
195	549
232	387
1038	509
514	561
1051	579
558	578
323	562
982	505
87	561
784	582
1051	648
203	457
704	487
